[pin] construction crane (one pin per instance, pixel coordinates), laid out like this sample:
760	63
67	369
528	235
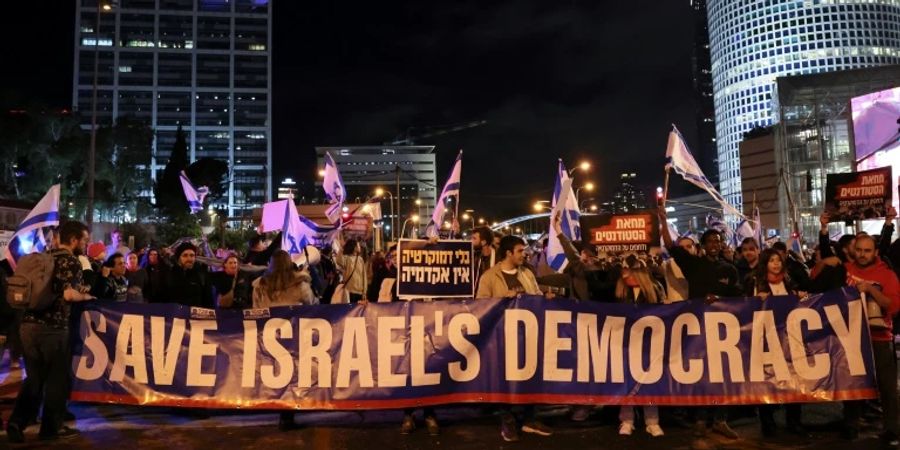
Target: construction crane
432	131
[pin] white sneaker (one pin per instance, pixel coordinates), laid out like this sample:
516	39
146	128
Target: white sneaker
654	430
626	428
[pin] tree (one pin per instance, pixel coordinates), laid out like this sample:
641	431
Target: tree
212	173
169	195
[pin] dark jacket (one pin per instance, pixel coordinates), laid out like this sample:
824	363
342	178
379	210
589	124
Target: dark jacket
189	287
753	287
110	288
241	285
381	273
707	277
155	287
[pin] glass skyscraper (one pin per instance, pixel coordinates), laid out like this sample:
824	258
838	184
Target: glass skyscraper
755	41
204	65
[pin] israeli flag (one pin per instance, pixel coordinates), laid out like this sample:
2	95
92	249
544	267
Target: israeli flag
565	203
29	236
451	189
297	231
678	157
334	189
194	196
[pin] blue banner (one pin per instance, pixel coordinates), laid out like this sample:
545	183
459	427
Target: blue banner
524	350
441	269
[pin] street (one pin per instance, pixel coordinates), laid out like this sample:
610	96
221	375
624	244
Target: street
466	427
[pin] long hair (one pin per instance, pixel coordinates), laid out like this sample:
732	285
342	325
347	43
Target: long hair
647	285
761	272
280	274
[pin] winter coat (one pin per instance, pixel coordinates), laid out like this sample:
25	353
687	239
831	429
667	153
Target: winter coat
298	292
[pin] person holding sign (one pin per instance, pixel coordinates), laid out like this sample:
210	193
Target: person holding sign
509	279
770	278
708	277
635	285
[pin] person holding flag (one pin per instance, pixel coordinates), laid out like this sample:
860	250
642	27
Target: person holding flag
565	209
678	157
451	190
29	236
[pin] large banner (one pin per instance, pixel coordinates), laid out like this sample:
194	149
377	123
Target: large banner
631	232
858	195
525	350
440	269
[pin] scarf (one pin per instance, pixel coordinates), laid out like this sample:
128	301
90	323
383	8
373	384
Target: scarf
775	278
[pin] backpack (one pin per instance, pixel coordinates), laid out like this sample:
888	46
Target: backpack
31	287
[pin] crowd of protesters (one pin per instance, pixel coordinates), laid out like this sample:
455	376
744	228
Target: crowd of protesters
505	266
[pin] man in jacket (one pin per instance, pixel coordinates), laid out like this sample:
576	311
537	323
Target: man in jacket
509	278
188	282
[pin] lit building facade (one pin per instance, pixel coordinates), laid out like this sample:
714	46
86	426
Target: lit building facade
754	42
704	109
813	138
204	65
364	169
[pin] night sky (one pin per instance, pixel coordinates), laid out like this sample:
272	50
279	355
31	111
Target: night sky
595	80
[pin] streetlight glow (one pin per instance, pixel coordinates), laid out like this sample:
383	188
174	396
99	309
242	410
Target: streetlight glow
415	218
379	192
481	221
418	202
585	166
107	7
465	216
593	207
589	186
322	173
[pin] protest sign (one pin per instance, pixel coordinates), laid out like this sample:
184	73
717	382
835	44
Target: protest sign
635	232
858	195
437	270
523	350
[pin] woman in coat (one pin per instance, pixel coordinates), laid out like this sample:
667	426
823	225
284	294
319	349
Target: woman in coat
635	285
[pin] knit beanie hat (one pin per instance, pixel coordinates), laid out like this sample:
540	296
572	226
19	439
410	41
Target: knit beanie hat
182	247
96	249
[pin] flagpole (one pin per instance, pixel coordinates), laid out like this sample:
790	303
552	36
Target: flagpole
666	188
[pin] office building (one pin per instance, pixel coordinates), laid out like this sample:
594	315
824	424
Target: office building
754	42
204	65
813	136
704	110
364	169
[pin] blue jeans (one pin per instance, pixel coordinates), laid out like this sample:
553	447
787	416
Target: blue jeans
46	362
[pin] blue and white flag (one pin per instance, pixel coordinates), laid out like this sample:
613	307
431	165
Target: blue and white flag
297	231
193	195
29	236
566	204
679	158
451	189
745	230
334	189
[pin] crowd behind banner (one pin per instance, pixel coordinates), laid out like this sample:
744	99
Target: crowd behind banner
502	266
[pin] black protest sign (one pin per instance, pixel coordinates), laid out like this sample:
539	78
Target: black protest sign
438	270
858	195
636	231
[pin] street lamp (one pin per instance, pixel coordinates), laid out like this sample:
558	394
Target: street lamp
587	186
414	218
321	173
381	193
92	155
470	215
584	166
481	221
540	206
